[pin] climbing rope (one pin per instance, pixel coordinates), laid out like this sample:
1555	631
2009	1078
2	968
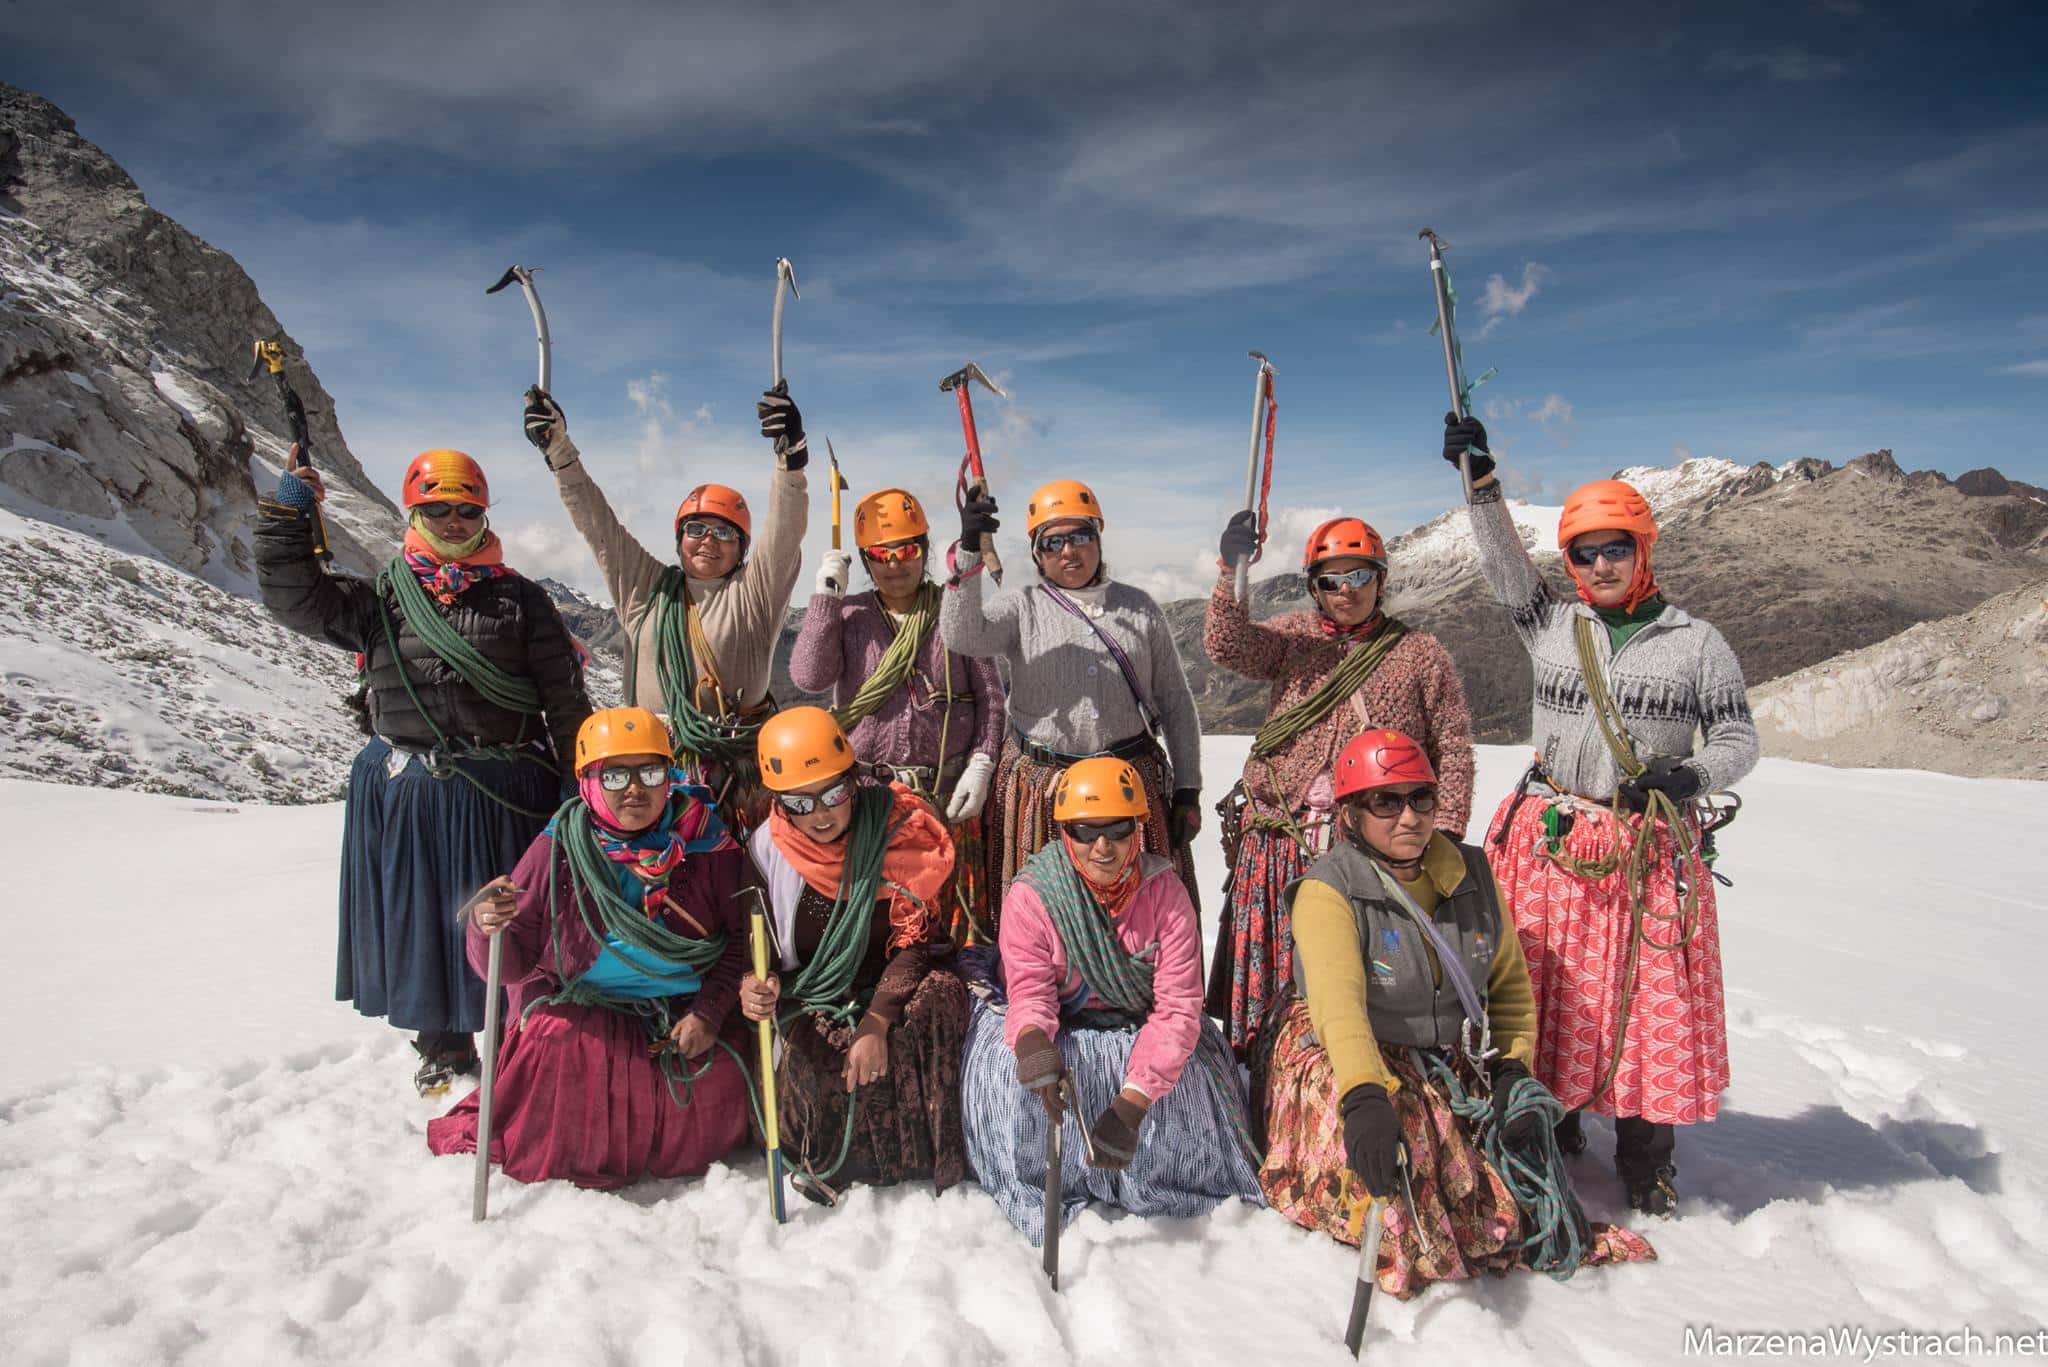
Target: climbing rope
679	642
1340	683
893	669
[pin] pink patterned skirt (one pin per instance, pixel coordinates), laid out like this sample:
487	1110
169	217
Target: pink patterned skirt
1576	934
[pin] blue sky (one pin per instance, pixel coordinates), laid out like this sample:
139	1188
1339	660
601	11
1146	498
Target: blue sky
1758	232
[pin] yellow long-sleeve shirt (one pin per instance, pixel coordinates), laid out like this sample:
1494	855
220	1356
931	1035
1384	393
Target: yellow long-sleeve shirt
1333	966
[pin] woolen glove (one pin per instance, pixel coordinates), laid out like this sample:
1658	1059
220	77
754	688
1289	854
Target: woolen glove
1372	1137
972	790
1462	434
1184	816
783	424
1240	537
977	515
548	428
1674	778
835	573
1039	1069
1524	1128
1115	1135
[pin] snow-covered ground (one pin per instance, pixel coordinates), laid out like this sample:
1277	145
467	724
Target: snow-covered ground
203	1159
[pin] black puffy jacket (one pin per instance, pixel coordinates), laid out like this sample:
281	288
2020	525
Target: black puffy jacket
509	619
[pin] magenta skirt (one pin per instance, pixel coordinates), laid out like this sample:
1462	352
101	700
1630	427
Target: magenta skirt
579	1098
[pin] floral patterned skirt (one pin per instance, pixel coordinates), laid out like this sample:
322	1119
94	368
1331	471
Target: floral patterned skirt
1255	942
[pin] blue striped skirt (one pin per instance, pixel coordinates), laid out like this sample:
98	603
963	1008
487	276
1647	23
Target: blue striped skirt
1193	1150
414	848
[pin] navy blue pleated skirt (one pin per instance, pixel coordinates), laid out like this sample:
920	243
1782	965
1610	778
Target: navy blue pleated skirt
414	848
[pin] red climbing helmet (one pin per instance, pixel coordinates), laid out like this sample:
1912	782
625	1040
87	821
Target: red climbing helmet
1342	536
1378	759
445	477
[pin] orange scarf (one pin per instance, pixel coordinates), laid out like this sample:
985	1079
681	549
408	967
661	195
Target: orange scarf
914	866
1640	587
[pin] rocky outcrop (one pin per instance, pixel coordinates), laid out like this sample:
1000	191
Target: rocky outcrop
126	408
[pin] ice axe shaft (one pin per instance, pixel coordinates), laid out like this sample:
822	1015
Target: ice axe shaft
1368	1278
480	1199
977	486
1450	341
838	487
785	274
771	1128
524	275
1251	473
269	355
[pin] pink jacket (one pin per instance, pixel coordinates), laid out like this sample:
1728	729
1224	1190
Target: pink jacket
1159	918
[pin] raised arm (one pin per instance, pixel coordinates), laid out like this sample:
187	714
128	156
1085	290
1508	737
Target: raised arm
339	609
817	662
971	625
1236	642
629	570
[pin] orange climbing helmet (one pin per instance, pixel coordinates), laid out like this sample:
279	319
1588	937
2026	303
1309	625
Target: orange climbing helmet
1379	759
801	745
1092	789
716	500
1607	505
888	515
613	731
1059	499
1343	536
445	477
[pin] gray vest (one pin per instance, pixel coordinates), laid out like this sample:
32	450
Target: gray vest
1404	1002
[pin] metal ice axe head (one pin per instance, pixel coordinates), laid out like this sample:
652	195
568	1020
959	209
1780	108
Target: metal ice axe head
959	379
524	275
269	354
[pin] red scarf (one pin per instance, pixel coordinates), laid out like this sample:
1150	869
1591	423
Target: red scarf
1357	633
1117	893
1640	587
446	579
914	867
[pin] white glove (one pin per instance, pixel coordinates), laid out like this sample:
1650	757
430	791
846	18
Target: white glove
835	573
972	789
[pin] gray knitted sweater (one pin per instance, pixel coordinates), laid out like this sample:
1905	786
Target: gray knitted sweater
1066	692
1674	677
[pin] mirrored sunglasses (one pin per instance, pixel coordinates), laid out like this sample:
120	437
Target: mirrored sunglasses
803	804
1088	832
894	555
1350	579
717	531
438	512
614	778
1613	552
1384	803
1052	543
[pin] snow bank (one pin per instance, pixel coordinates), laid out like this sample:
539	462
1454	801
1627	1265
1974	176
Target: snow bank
202	1159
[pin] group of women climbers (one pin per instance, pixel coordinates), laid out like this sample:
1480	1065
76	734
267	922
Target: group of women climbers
1360	945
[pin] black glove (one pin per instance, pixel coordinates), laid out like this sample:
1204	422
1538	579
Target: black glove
1115	1136
1184	817
1240	537
1372	1137
1674	778
1524	1128
544	417
977	515
783	424
1039	1069
1463	433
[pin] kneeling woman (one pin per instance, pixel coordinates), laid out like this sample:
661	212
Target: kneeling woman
873	1015
1102	969
1397	1058
623	938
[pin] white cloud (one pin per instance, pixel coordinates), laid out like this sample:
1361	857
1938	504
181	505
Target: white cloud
2035	368
1554	408
1785	62
1503	301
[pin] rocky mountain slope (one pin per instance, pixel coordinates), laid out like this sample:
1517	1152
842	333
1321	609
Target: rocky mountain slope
126	407
1965	694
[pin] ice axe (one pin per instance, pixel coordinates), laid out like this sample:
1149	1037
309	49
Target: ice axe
1264	420
1368	1278
494	977
839	487
771	1126
785	274
973	480
524	275
269	355
1055	1175
1454	354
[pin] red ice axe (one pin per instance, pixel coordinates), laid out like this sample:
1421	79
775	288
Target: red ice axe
973	480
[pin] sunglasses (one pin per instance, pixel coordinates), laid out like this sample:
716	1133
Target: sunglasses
1052	543
615	779
803	804
1350	579
1613	552
717	531
894	555
1088	832
440	512
1383	804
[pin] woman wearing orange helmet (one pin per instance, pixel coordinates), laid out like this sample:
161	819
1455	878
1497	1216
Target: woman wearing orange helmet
472	690
624	933
1100	1000
1341	669
926	714
701	630
1598	849
1093	670
1409	1043
873	1015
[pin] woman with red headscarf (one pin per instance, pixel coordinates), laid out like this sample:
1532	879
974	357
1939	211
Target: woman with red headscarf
1599	851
